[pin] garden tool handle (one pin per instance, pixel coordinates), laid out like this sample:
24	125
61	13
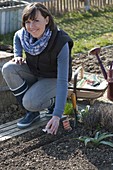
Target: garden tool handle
81	70
102	67
74	103
73	97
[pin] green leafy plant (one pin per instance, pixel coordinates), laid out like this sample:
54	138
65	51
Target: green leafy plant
68	108
83	113
97	140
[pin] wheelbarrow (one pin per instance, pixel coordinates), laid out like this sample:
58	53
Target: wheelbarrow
87	86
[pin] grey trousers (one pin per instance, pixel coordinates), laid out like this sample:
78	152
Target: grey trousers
40	91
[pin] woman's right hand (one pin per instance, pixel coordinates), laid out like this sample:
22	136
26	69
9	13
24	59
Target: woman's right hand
18	60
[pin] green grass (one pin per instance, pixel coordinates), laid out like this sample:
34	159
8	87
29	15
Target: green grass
7	39
89	29
94	28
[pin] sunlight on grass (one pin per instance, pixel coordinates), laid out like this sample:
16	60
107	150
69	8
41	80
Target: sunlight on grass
88	29
84	45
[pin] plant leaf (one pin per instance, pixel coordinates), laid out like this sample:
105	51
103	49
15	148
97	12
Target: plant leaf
103	136
87	140
82	138
87	108
106	143
97	135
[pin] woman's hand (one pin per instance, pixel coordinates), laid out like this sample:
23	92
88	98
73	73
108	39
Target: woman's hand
18	60
52	125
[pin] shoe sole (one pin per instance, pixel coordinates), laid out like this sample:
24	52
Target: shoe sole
22	126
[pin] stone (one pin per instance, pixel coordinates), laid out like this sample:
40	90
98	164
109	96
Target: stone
6	97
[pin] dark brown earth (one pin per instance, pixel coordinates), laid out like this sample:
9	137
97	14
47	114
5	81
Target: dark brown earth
36	150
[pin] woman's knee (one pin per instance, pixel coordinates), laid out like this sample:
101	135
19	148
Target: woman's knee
32	103
7	68
27	103
35	104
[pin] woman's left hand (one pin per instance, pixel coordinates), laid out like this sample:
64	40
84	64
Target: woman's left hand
18	60
52	125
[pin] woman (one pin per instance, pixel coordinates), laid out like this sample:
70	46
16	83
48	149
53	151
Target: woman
43	76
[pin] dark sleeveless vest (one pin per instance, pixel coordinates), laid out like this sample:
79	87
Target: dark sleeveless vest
45	64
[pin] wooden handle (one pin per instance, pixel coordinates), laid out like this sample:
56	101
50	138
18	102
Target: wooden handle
82	72
73	98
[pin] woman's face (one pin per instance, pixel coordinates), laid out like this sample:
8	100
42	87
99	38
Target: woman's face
37	26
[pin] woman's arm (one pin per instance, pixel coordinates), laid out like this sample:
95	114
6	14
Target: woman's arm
61	91
62	81
17	45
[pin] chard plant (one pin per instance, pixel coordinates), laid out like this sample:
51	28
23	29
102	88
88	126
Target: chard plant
97	140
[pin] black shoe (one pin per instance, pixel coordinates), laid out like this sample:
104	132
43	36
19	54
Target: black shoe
50	111
29	118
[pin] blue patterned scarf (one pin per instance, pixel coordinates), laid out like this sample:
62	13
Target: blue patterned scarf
34	47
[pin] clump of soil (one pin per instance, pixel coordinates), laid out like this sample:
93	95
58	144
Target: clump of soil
100	116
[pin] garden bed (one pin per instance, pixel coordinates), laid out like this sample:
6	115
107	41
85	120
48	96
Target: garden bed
36	150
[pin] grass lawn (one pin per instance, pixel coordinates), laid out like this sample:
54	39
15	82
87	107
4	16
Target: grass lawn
94	28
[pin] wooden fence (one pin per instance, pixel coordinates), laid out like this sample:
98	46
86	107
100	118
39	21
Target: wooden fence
10	16
61	6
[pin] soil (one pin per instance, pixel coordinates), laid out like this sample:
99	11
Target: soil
36	150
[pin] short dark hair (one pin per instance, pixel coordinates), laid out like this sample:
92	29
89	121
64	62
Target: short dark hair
30	10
